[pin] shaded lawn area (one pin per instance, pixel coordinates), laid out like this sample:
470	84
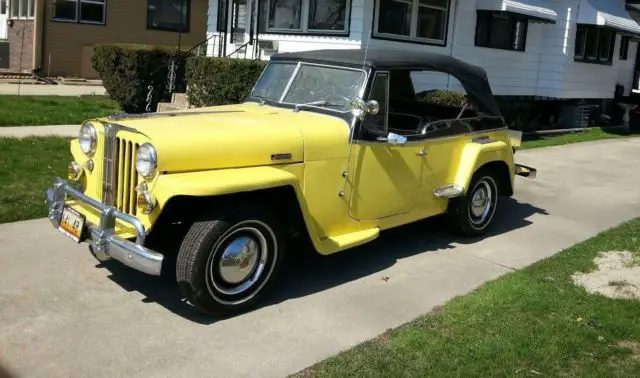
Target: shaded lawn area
575	137
53	110
27	168
534	322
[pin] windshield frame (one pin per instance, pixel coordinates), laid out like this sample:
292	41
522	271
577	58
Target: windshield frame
296	71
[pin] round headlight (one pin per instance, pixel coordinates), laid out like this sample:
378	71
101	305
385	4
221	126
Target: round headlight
88	139
146	160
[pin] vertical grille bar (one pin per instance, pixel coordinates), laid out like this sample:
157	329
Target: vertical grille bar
127	174
120	175
109	166
134	179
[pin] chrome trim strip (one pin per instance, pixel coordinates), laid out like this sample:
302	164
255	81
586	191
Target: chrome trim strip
121	116
426	139
104	243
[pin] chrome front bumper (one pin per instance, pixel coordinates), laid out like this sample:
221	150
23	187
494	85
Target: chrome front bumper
104	244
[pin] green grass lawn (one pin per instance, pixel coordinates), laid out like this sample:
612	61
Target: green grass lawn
53	110
534	322
27	168
576	137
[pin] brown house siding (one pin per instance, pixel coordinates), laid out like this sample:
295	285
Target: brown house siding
21	46
67	47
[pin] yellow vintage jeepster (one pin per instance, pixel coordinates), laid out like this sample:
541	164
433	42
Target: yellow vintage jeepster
334	146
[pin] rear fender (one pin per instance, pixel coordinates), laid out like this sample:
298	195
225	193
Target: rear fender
476	155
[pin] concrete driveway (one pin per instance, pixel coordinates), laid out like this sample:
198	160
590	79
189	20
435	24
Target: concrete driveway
62	315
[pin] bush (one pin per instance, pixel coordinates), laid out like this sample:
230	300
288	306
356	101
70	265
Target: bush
221	81
128	70
443	97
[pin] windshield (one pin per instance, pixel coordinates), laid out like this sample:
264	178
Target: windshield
321	86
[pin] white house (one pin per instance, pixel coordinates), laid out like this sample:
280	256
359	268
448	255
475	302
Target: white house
532	50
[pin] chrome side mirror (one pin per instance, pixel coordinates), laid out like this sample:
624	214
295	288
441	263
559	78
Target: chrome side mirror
359	108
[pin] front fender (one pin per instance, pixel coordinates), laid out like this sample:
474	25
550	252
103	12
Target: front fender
223	181
238	180
475	155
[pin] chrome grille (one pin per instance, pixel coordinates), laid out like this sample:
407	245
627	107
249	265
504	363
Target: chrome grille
120	176
126	178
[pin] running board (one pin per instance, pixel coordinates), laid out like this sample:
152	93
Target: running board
524	171
353	239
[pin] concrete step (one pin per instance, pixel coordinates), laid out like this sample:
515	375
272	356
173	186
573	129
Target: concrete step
168	107
181	100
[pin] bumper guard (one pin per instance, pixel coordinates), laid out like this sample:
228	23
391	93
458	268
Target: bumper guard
104	244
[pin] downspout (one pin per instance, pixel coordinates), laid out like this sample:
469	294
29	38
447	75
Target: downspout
38	34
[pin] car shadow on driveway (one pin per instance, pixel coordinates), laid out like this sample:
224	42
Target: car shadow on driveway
313	273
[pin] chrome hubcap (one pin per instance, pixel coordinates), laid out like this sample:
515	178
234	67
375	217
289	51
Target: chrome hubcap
481	202
239	260
242	262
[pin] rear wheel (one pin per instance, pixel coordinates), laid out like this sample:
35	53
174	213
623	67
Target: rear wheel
226	264
473	213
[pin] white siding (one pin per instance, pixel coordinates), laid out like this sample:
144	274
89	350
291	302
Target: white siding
292	43
546	67
584	80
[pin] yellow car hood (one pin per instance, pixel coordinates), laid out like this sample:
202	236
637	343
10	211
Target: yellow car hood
227	136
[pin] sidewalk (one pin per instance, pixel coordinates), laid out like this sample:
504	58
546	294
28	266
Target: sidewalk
51	90
53	130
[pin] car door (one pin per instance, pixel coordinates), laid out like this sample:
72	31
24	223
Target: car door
385	177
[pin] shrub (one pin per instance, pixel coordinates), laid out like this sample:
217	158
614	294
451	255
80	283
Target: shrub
128	70
443	97
221	81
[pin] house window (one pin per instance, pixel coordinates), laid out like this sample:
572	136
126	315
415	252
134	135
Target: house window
169	15
594	44
413	20
80	11
307	16
624	47
501	31
21	9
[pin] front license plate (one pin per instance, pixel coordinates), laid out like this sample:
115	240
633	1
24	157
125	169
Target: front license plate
72	223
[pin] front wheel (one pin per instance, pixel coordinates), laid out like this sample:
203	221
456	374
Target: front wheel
226	264
473	213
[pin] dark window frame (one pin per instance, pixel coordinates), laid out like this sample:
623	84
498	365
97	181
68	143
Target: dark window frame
382	112
77	19
485	19
625	41
412	40
592	33
186	26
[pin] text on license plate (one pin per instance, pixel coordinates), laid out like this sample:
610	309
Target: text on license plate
71	223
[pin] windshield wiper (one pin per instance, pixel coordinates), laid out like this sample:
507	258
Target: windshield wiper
315	103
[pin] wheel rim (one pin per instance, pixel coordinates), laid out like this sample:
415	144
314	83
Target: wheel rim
482	202
241	262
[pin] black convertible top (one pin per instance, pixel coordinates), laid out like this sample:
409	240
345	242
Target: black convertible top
473	78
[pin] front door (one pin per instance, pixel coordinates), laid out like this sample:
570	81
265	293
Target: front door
385	180
385	177
241	28
4	16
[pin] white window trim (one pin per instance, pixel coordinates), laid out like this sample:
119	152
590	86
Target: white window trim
304	21
17	16
78	6
413	29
